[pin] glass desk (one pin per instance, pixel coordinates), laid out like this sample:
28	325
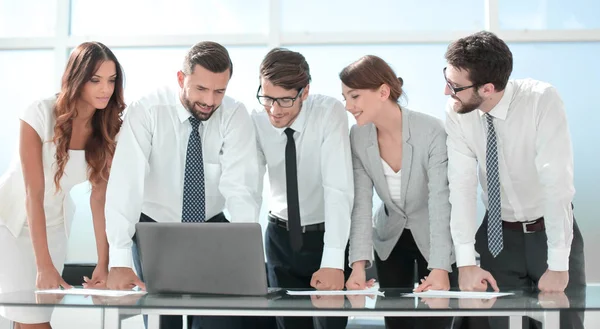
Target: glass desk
545	308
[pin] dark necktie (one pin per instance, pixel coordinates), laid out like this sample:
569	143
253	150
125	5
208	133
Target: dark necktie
291	180
494	229
194	209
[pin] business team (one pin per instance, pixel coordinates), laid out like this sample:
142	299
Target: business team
186	152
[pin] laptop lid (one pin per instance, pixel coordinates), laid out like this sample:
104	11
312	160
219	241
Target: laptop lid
202	258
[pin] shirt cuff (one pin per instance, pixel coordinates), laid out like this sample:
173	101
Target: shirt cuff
333	258
465	254
558	259
120	258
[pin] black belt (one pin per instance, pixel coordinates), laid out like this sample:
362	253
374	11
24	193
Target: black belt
526	227
307	228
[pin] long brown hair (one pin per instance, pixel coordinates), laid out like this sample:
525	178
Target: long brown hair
100	146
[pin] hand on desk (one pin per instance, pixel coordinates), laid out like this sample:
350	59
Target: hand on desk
473	278
436	280
358	277
554	281
476	303
49	278
436	303
553	300
123	278
322	301
122	300
49	298
360	301
328	279
98	280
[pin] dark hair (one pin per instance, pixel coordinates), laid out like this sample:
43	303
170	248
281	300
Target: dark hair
285	68
100	147
484	56
370	72
210	55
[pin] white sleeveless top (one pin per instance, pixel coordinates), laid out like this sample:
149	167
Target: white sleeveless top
40	116
394	182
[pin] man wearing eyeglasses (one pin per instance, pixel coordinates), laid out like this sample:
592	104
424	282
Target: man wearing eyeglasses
514	134
303	141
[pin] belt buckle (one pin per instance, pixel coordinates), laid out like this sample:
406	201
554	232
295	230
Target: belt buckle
525	230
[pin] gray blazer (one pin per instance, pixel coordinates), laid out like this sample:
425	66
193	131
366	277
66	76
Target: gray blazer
424	193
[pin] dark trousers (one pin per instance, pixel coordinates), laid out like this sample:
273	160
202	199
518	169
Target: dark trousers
193	322
291	269
402	269
521	264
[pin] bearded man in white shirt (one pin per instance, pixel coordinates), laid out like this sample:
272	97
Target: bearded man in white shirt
514	136
303	141
185	152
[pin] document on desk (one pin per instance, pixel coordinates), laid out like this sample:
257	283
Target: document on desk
371	292
92	292
458	294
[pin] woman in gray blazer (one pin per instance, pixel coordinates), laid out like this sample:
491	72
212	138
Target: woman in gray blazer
402	154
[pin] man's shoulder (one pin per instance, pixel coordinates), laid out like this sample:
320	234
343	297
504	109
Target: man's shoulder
161	96
524	88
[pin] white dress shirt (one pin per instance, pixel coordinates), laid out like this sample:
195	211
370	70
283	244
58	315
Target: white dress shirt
535	162
394	182
13	213
149	165
324	162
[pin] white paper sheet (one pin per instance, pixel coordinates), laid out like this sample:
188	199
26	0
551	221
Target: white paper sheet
92	292
375	292
458	294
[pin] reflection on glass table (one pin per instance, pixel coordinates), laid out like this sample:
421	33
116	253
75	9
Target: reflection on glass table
545	307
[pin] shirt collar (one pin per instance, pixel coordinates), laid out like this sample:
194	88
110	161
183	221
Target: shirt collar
182	112
500	111
300	122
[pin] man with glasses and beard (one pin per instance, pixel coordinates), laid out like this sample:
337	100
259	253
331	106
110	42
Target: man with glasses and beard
514	134
184	154
303	141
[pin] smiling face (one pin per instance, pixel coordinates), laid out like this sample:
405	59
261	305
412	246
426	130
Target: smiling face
364	104
279	116
202	91
96	92
465	100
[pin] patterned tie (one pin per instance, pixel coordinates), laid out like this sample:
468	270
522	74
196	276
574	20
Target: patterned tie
194	210
293	203
494	229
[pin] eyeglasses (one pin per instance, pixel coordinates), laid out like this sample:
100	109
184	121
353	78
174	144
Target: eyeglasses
284	102
454	90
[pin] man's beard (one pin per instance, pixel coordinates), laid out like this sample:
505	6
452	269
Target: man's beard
469	106
197	113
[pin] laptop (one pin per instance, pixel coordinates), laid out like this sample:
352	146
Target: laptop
203	258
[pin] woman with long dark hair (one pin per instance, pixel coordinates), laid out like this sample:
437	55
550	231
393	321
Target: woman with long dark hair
65	140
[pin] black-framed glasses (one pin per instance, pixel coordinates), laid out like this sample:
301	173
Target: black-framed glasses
453	89
284	102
